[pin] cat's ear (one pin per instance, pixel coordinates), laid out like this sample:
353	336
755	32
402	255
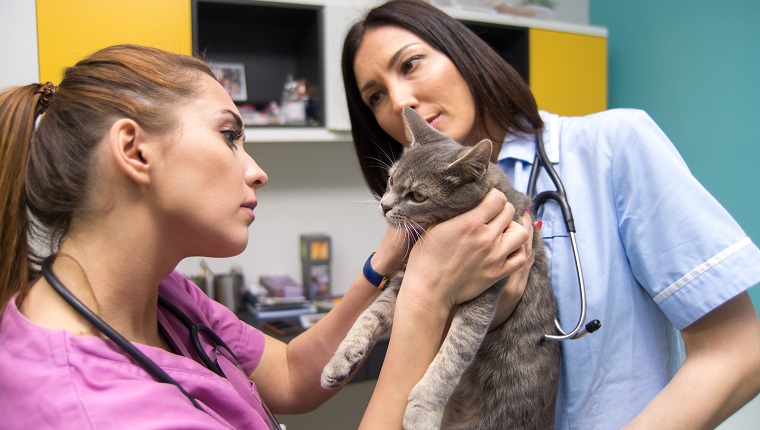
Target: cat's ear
474	163
417	130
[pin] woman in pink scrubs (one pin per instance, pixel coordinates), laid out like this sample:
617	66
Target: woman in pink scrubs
137	162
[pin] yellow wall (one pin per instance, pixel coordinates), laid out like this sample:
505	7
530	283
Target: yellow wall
72	29
568	72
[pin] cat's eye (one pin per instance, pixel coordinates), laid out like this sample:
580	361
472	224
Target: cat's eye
417	197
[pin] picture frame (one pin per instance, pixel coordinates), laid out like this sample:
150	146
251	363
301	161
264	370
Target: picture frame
232	78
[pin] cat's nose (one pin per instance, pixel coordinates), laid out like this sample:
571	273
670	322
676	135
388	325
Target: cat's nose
384	208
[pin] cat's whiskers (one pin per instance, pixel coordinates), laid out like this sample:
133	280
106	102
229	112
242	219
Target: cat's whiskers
414	232
420	230
372	201
390	158
369	209
411	238
372	204
399	236
379	163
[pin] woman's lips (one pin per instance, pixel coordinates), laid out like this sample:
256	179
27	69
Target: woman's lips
248	208
434	120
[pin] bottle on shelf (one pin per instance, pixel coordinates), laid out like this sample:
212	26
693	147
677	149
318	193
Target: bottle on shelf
292	108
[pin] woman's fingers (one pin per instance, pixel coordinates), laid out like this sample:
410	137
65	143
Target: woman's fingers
518	280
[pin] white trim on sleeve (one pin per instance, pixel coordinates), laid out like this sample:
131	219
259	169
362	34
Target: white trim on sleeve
701	269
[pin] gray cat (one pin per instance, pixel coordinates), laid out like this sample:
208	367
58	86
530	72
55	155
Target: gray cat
503	379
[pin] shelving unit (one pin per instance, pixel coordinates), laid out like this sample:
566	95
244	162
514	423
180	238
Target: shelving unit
510	42
565	64
271	40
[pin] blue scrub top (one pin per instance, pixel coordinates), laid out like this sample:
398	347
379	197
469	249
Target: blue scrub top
657	251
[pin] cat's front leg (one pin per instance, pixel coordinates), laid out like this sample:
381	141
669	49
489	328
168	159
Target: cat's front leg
368	328
428	398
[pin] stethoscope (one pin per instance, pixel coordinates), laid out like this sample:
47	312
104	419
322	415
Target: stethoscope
147	364
560	197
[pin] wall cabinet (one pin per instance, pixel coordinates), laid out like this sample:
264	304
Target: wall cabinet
274	41
568	72
565	64
271	41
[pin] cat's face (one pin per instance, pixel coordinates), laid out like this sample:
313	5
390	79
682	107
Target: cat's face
435	179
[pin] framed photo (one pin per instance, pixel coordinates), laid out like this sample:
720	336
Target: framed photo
232	78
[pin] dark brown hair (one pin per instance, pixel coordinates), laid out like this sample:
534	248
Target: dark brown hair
499	93
46	174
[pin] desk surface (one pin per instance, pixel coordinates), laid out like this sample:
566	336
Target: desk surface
369	370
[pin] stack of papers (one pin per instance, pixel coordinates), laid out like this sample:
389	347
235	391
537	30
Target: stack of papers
281	307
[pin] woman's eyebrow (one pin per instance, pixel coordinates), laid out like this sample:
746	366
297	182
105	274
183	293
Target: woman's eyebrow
395	57
235	117
391	64
366	86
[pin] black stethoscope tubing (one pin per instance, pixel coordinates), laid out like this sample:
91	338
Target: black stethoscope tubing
195	330
559	196
147	364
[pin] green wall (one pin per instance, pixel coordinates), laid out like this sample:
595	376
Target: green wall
694	66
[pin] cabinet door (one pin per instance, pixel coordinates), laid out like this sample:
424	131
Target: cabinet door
70	30
568	72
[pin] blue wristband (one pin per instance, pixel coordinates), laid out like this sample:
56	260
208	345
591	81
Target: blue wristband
374	278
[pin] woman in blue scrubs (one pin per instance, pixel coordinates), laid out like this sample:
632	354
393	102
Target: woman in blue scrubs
661	257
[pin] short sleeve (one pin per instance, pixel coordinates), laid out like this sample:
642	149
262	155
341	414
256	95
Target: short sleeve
684	248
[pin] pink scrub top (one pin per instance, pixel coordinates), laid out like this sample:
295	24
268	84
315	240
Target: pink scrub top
51	379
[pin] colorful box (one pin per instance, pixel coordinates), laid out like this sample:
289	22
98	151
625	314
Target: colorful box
315	263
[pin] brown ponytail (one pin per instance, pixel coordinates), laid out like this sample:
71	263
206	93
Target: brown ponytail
18	109
46	174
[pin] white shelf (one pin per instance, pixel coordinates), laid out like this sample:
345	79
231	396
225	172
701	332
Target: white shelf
519	21
295	134
360	6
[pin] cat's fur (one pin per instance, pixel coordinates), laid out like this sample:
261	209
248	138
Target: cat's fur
504	379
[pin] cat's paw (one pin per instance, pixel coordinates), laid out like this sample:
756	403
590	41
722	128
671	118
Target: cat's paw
338	371
420	412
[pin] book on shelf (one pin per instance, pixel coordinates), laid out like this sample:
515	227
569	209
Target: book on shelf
281	286
283	310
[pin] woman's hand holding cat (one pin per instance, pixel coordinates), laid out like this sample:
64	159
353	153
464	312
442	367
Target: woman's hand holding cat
518	280
392	251
456	260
